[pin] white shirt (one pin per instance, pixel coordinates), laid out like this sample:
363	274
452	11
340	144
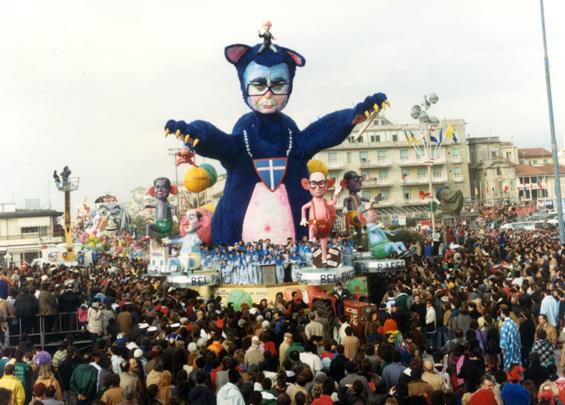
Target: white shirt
312	361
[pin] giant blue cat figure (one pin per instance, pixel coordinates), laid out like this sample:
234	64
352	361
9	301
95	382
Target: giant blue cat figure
266	154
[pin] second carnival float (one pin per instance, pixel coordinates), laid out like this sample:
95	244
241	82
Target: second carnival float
272	231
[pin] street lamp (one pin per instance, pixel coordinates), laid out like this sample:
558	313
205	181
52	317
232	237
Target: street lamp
556	168
67	184
426	143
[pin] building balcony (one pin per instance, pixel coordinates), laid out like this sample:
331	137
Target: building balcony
336	166
414	182
372	183
439	180
419	162
367	164
424	181
459	179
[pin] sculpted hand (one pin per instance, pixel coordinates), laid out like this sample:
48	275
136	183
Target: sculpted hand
303	222
189	133
363	110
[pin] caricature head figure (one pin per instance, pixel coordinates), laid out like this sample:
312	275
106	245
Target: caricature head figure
162	188
318	184
352	181
265	78
192	221
267	25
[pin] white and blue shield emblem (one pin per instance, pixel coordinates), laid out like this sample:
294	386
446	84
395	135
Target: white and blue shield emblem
271	171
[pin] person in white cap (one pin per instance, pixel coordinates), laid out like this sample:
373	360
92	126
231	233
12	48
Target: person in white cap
254	355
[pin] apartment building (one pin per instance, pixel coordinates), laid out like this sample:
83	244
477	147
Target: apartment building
492	169
23	233
391	168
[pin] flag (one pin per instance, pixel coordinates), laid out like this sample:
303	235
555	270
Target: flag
408	139
449	132
414	139
434	139
441	135
455	140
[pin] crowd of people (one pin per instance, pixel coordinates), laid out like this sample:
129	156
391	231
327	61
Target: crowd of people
241	263
479	321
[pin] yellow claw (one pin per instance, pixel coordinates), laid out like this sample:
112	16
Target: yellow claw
196	142
187	138
376	107
367	114
167	132
387	103
178	133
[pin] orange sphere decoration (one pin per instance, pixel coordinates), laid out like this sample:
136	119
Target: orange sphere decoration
196	179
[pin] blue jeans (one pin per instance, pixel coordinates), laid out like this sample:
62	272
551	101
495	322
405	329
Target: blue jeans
441	336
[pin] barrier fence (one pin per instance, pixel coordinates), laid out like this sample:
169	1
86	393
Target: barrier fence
43	331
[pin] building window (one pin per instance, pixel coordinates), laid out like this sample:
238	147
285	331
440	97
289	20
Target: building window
493	155
509	155
405	173
394	138
407	195
383	175
366	195
455	154
364	174
384	196
348	157
457	173
422	173
436	172
332	158
498	171
360	139
381	155
403	154
375	138
534	162
40	230
363	157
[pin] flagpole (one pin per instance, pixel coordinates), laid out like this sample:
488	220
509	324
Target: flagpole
552	130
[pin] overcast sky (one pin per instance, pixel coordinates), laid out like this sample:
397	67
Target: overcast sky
90	84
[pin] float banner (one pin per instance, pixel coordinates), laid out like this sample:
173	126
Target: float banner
378	265
195	279
312	275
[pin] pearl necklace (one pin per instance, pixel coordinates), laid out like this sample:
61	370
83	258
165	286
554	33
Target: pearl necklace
248	148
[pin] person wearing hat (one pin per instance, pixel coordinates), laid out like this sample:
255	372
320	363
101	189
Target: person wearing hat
254	355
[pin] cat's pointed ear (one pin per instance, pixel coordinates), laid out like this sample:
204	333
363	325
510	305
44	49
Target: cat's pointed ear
296	58
235	52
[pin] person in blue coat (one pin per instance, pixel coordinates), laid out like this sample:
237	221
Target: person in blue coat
266	154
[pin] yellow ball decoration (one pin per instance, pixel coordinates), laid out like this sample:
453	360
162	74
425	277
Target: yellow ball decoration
196	179
315	165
